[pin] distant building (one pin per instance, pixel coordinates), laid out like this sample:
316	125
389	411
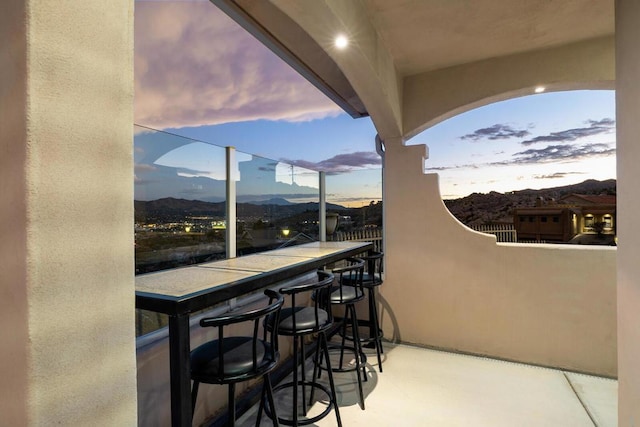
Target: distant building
566	218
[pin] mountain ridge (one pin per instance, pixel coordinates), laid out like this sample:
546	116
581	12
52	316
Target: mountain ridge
494	207
174	209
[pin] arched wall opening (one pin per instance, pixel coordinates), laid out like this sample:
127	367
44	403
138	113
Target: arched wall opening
512	168
450	287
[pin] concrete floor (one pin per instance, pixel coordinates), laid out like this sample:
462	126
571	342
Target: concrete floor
421	387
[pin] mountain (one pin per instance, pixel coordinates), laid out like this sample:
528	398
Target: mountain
275	201
494	207
170	209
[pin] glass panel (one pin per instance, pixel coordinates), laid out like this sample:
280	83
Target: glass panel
179	197
277	204
356	197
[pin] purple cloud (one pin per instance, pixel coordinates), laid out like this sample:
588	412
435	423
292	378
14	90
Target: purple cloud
596	127
340	163
495	132
549	154
557	175
195	66
564	152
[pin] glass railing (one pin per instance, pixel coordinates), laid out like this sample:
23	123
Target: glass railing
277	204
179	201
180	205
356	198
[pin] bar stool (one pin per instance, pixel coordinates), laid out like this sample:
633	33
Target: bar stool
347	291
371	280
299	322
229	360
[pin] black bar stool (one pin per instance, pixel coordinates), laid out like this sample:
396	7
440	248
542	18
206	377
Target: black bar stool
347	291
229	360
299	322
371	280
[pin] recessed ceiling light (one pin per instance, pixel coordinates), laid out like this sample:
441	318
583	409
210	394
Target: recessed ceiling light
539	89
341	41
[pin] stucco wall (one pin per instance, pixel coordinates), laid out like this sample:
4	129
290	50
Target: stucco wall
67	104
628	129
13	247
450	287
432	97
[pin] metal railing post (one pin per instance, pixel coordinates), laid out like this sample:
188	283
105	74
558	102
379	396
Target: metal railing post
230	213
322	208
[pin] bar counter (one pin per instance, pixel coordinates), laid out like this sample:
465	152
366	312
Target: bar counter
182	291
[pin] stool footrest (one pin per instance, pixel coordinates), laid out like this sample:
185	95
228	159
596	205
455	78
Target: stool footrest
368	339
304	421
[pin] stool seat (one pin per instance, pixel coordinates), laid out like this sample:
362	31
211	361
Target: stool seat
305	320
369	280
346	295
237	360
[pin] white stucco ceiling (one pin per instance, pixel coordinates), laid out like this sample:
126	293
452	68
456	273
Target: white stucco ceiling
425	35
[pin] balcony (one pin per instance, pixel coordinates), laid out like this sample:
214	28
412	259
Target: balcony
423	387
68	289
545	305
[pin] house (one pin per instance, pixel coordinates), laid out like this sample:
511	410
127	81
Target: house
569	216
66	114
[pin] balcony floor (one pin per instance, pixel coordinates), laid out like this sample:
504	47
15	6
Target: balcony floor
422	387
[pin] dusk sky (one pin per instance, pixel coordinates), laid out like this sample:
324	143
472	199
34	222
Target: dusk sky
198	74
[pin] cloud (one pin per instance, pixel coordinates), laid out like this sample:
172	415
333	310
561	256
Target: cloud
191	172
563	152
549	154
495	132
195	66
141	169
464	166
595	127
556	175
340	163
287	196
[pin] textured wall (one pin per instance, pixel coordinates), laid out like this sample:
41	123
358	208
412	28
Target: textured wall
628	129
448	286
70	207
432	97
13	244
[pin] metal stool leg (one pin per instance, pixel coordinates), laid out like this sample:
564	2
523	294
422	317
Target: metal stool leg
357	351
375	325
231	422
325	347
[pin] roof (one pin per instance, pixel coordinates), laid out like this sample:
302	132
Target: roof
591	199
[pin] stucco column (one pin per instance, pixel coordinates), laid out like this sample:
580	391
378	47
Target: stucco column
67	352
628	156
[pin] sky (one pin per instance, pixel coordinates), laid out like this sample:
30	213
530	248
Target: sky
201	76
